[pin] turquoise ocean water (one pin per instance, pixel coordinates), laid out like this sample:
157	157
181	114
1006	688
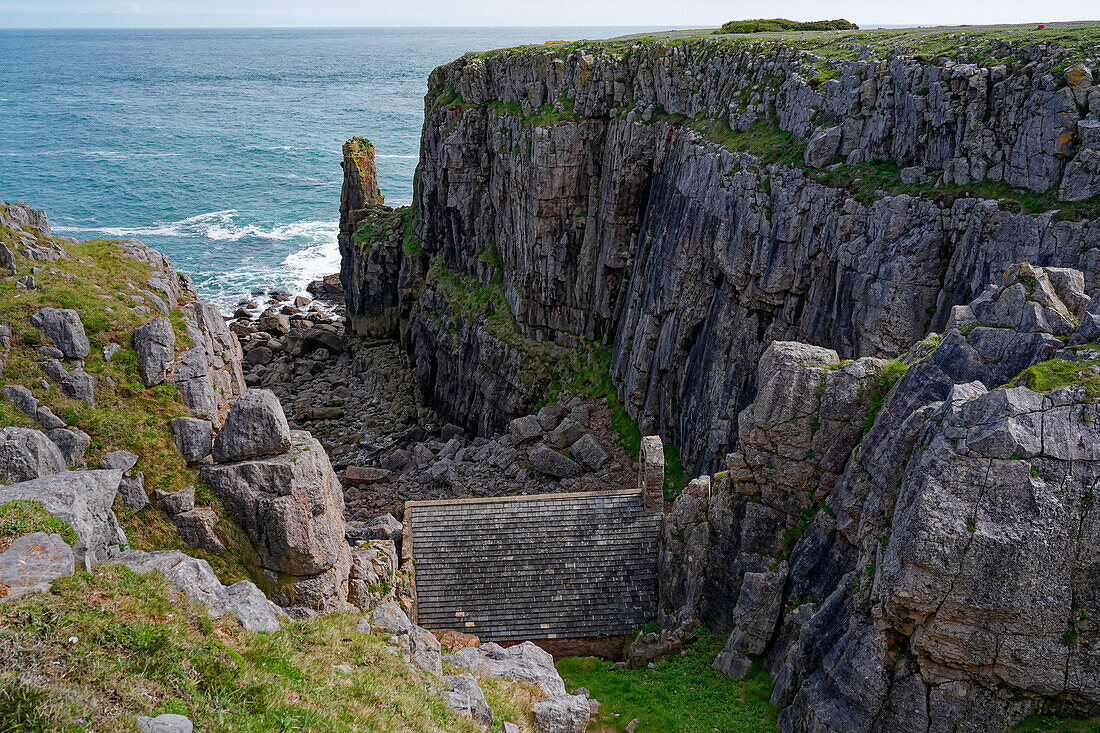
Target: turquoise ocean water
221	148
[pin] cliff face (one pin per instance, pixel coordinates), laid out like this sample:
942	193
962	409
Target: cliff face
670	202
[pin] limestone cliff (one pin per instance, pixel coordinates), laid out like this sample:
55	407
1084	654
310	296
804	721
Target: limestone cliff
686	203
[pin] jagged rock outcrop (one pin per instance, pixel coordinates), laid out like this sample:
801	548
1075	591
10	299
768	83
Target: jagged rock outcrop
595	212
940	579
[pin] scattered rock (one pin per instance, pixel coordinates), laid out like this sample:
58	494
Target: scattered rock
32	563
194	437
465	697
589	453
23	399
562	714
64	329
27	454
524	662
155	344
196	528
80	386
176	502
72	442
256	426
552	463
167	723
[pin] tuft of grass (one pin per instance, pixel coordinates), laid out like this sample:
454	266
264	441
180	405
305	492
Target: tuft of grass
891	375
1054	374
104	647
23	517
680	694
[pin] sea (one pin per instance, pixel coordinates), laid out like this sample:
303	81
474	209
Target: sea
221	148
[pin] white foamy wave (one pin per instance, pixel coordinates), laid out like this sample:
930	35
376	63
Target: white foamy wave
219	226
401	157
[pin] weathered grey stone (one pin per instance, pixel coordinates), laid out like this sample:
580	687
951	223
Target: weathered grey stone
110	350
72	442
568	432
550	417
155	344
47	419
196	528
194	437
192	375
80	385
23	399
425	651
7	260
31	563
119	460
26	454
590	453
390	620
251	607
562	714
822	147
525	429
132	491
552	463
64	329
464	696
373	578
176	502
256	426
385	527
524	662
291	507
167	723
81	498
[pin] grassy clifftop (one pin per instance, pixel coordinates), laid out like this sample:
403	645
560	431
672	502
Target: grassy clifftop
104	647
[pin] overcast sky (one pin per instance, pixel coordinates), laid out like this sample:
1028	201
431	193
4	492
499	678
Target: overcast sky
669	13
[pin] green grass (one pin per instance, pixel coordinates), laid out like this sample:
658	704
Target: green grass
680	694
1054	374
106	646
782	25
1050	724
891	375
23	517
128	415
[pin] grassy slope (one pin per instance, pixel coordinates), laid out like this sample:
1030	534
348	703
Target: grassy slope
680	694
128	415
106	646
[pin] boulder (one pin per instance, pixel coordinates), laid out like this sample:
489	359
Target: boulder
193	378
758	607
27	454
54	369
567	433
425	651
64	329
110	350
119	460
176	502
291	507
589	453
390	619
7	260
72	442
525	429
552	463
196	528
32	563
23	400
252	608
195	579
562	714
167	723
385	527
132	491
524	662
155	344
464	696
83	499
550	417
366	475
256	426
822	147
194	437
80	386
47	419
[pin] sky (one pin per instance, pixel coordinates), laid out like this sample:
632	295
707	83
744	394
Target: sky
667	13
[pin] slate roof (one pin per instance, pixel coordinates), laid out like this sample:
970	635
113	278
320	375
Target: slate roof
536	567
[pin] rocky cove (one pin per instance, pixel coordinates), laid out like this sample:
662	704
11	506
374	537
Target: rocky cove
848	277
